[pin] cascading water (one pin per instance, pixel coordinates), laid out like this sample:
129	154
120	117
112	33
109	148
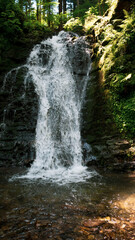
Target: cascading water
55	67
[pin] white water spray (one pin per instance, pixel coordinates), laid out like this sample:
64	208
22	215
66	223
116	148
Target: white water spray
53	68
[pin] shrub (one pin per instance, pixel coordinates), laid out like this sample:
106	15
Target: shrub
74	25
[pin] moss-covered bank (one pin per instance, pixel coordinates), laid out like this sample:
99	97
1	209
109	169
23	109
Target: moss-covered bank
114	47
112	128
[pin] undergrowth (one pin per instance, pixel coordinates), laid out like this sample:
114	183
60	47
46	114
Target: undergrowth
119	72
115	48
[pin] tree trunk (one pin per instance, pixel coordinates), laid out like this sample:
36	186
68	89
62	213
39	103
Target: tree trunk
48	13
99	7
60	6
122	4
29	2
118	12
26	10
60	11
103	6
44	9
64	6
40	12
74	6
37	13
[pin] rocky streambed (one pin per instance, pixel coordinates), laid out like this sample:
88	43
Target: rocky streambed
103	207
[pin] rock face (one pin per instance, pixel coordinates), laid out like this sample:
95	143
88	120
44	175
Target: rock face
19	101
122	4
19	104
103	145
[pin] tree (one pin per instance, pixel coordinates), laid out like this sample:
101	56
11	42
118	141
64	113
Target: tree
11	20
64	6
37	10
48	12
60	6
21	4
29	6
44	1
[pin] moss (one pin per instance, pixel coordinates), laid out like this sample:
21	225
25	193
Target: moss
114	47
74	25
118	64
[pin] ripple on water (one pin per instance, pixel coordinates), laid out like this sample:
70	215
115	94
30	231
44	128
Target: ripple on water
36	209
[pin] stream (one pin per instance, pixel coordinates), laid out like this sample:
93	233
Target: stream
103	207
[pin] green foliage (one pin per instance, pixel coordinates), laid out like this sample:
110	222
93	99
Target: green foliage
118	60
92	11
88	8
30	26
94	18
11	21
90	21
74	25
115	48
124	113
81	10
109	2
60	18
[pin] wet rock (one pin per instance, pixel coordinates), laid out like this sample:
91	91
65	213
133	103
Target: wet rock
80	61
45	53
41	223
99	131
112	153
123	144
94	223
126	166
18	119
132	150
29	237
28	162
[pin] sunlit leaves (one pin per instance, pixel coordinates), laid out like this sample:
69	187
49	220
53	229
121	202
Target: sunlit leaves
74	24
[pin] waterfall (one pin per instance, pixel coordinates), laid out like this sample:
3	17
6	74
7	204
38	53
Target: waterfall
59	68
